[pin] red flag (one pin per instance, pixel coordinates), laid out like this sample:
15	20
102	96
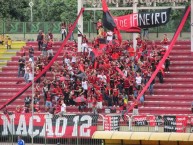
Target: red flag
95	64
81	68
108	21
120	72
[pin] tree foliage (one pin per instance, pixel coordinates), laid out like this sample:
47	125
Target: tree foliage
14	9
54	10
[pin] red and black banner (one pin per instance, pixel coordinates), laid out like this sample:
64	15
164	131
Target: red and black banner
134	22
108	21
191	123
143	20
111	122
155	120
49	126
140	120
175	123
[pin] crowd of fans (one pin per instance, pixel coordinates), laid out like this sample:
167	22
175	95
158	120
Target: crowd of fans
105	73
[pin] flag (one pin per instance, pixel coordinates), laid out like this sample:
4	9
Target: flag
108	21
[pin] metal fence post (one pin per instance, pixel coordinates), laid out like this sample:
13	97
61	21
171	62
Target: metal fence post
12	122
130	122
3	26
103	118
24	30
45	141
89	28
77	132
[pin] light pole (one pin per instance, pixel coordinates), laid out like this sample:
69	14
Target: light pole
32	65
31	4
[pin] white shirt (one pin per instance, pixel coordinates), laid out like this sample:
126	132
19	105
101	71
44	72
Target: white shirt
63	107
103	78
84	85
84	47
67	60
30	76
73	58
109	35
125	73
138	80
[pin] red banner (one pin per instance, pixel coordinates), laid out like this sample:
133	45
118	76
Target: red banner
140	120
49	126
191	123
127	22
181	123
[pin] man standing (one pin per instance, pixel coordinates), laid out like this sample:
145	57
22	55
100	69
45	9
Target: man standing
99	25
21	62
49	48
20	141
40	39
31	53
63	108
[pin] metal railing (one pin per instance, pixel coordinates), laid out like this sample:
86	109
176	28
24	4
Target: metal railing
89	27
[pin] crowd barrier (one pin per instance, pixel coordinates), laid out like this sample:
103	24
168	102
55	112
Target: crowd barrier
79	128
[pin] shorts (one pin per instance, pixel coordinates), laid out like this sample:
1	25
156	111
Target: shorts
90	105
62	113
135	111
99	105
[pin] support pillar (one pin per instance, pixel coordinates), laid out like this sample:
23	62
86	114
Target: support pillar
135	2
191	27
80	25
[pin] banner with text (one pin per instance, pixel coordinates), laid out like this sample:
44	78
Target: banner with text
111	122
49	126
175	123
142	20
191	123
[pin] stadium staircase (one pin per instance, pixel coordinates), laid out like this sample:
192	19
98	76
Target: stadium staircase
174	96
6	55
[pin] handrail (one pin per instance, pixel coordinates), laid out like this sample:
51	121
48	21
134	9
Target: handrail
48	66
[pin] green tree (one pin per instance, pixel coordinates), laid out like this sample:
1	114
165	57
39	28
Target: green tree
14	9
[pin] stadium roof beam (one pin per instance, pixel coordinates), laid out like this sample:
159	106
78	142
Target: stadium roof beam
139	8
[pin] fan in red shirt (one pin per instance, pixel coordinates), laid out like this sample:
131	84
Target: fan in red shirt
99	24
115	56
165	41
131	52
115	95
139	41
57	90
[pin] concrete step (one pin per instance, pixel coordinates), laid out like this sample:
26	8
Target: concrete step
165	110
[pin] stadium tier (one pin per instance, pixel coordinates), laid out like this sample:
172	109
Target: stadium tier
174	96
